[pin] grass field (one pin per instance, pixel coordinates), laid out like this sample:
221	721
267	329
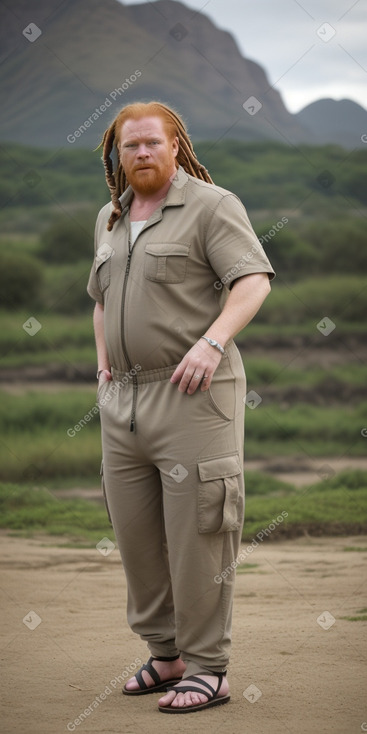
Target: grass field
313	404
49	434
336	506
312	386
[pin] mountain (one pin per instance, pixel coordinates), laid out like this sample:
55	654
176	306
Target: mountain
343	122
79	61
68	67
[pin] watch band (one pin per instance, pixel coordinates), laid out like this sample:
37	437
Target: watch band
213	343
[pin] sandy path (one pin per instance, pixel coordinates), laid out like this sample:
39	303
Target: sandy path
311	679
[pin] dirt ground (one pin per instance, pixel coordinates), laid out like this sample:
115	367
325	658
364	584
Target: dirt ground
298	674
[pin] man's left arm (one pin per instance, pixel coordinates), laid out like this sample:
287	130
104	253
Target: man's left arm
199	364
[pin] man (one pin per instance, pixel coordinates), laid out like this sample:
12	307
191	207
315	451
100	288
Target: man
178	272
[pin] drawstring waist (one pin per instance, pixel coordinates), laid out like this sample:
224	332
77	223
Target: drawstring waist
140	376
136	377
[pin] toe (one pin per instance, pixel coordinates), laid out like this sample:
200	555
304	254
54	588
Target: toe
179	701
167	699
193	698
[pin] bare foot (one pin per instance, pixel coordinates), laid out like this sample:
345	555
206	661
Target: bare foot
191	698
167	670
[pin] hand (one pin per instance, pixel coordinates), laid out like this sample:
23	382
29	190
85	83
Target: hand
105	376
197	368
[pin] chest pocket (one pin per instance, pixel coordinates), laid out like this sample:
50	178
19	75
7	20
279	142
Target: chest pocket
165	262
102	265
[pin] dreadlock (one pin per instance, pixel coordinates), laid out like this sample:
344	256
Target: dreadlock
186	157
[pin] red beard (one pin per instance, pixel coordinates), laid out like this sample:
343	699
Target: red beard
151	179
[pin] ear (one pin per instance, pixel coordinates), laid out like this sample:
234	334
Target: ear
175	146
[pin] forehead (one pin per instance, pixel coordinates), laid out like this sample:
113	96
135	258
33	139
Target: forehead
145	127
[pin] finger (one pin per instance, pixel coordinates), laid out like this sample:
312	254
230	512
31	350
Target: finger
195	381
205	382
185	382
189	381
178	373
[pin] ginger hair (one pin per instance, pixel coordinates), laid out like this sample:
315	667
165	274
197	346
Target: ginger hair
174	126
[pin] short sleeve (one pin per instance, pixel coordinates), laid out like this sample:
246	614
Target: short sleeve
232	246
93	287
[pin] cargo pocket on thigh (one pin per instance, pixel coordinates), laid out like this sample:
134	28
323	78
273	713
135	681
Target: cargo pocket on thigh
104	493
219	497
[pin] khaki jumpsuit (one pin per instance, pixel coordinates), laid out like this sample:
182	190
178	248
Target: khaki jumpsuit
173	462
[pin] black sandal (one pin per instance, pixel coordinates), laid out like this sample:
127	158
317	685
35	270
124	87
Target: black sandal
213	698
159	685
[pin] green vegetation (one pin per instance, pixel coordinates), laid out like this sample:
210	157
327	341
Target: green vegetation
261	371
336	506
62	339
312	225
310	230
68	240
33	510
338	297
270	175
20	280
265	175
258	484
51	178
293	311
304	429
358	618
329	507
48	434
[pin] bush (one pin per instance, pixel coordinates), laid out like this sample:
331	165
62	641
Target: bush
68	240
340	298
339	244
287	252
20	280
65	288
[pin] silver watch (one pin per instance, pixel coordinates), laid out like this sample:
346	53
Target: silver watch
213	343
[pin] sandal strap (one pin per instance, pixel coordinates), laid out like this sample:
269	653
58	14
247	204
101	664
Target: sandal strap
196	689
152	672
186	689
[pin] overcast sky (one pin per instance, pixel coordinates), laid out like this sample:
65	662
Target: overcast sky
282	36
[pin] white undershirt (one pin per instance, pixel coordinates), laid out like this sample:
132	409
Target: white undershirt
135	229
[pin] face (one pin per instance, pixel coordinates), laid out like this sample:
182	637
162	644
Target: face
147	154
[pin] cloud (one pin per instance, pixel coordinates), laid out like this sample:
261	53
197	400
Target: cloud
282	37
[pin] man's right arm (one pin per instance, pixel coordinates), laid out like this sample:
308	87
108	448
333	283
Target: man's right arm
102	355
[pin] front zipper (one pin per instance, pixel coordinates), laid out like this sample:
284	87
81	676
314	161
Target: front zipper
123	343
124	349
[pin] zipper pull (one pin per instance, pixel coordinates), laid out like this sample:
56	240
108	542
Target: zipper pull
132	425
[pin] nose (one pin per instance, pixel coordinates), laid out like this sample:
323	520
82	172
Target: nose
143	151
